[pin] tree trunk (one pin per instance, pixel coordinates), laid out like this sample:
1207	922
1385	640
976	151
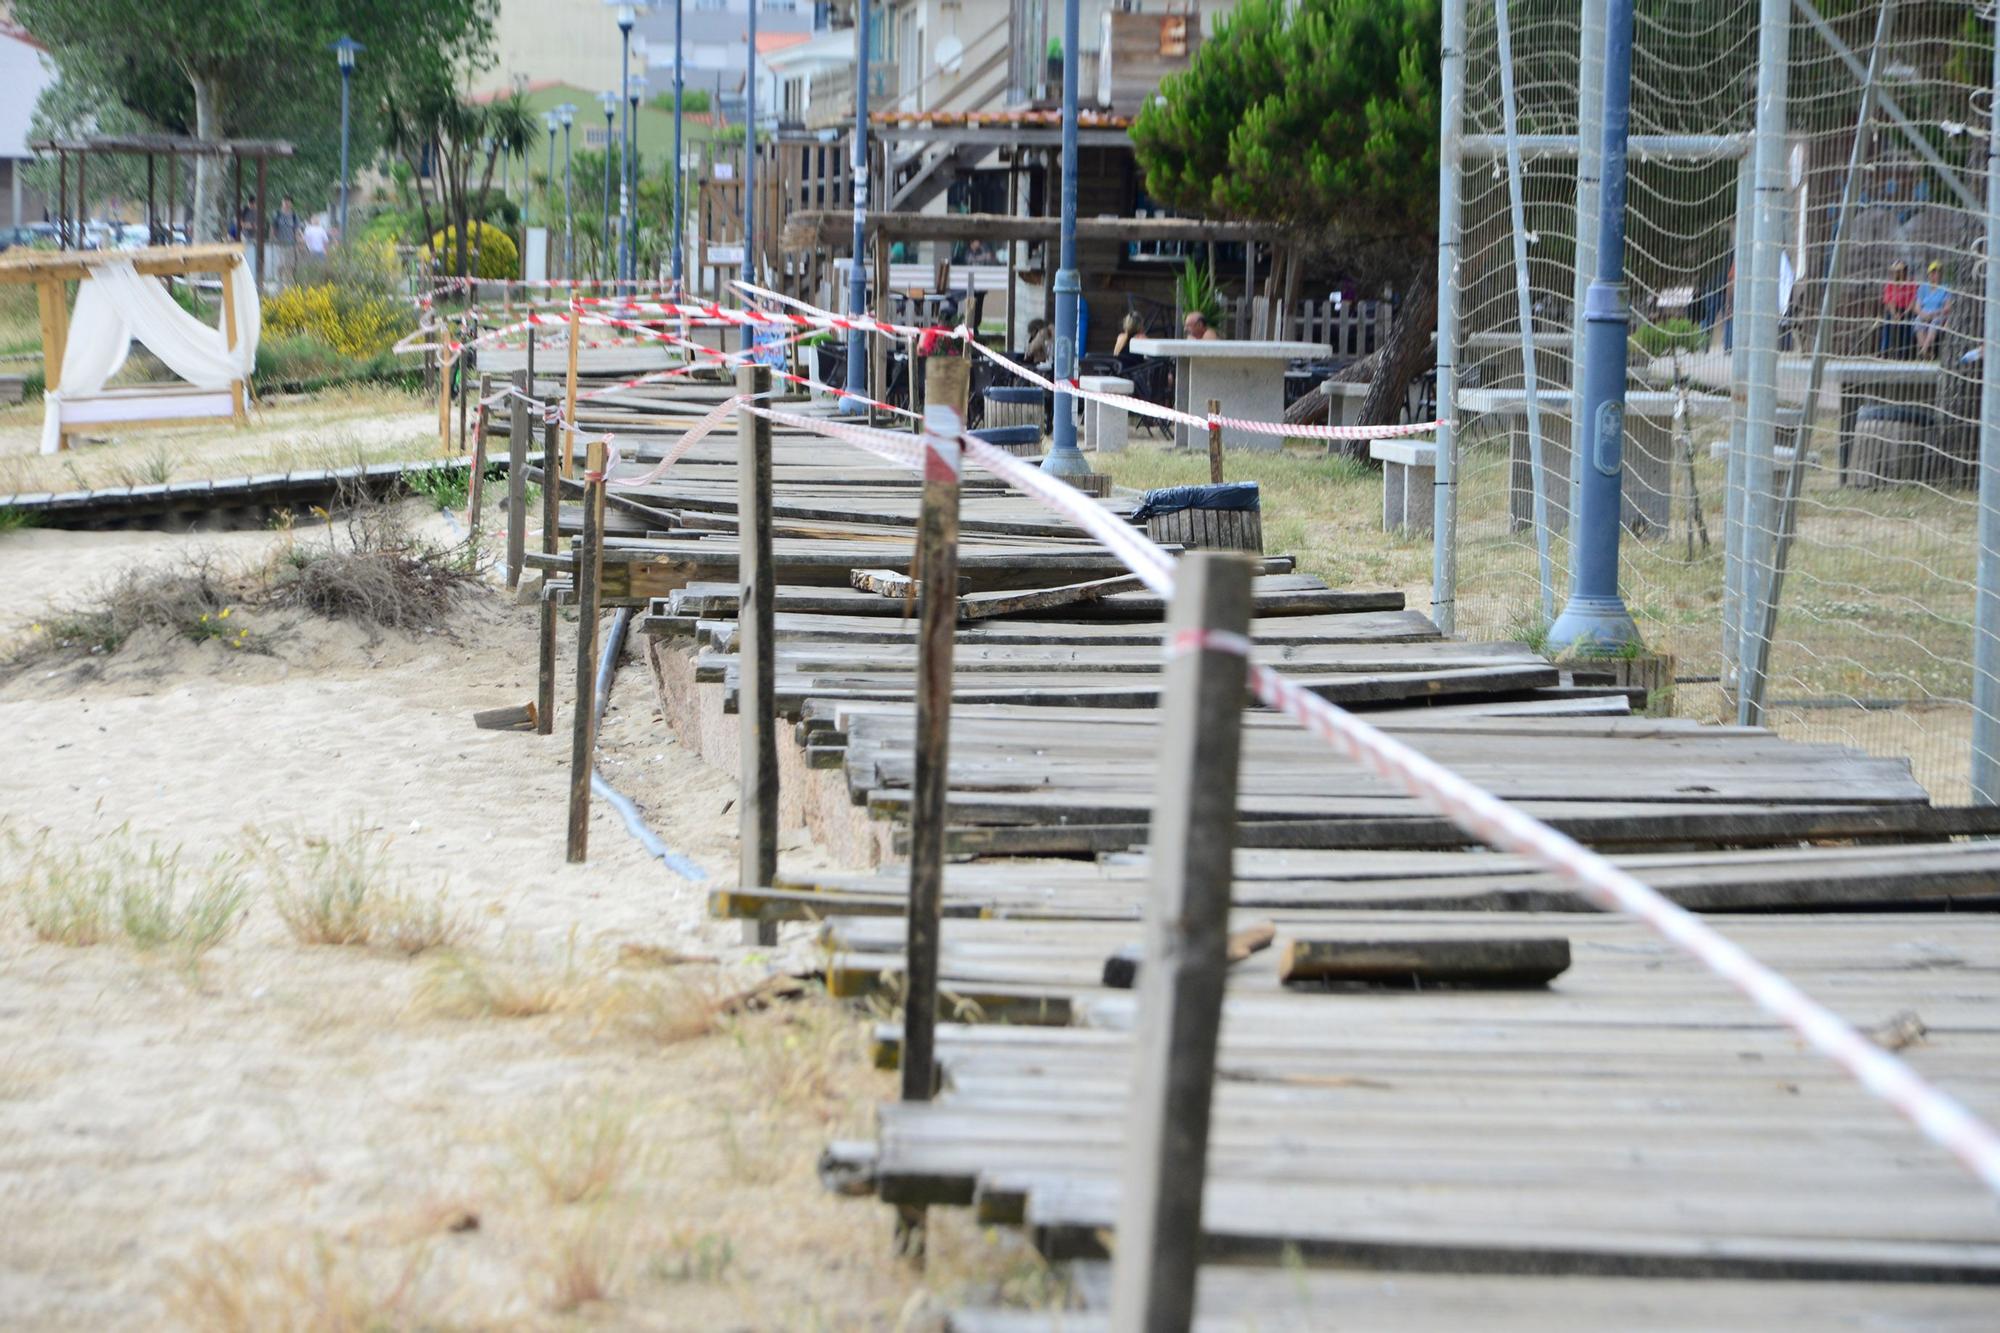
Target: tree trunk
1408	352
208	171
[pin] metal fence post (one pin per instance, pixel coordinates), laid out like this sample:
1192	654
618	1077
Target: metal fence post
1451	118
1732	486
1757	316
1184	964
1589	172
1538	477
1986	648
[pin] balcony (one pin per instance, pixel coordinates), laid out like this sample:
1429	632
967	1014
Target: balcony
831	101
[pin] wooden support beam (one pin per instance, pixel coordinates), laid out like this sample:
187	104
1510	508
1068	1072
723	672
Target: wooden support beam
589	568
551	507
1187	923
757	750
1214	442
476	483
518	429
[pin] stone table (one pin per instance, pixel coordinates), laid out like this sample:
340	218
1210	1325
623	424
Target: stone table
1247	377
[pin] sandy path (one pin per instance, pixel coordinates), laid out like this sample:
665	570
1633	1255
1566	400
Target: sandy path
288	1128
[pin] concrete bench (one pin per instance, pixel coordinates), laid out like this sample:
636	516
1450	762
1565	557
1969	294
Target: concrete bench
1409	481
1105	428
1648	489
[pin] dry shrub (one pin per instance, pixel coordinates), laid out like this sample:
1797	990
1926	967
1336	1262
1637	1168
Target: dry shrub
797	1054
377	573
188	599
296	1287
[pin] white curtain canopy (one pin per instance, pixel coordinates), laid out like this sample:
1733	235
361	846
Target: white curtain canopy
115	306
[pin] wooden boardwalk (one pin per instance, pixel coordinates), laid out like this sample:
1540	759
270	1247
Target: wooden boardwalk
1394	1144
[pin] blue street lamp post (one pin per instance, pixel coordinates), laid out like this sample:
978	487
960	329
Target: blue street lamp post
609	101
566	113
628	15
750	163
1596	622
679	170
635	92
1064	459
344	51
857	277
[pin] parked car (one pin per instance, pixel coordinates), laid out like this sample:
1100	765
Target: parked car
31	235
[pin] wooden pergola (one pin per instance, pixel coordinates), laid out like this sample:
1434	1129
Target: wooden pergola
48	271
152	147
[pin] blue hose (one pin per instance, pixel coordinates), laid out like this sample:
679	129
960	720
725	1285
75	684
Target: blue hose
607	667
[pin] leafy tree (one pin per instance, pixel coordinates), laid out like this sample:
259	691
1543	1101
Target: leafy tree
1319	115
247	67
465	141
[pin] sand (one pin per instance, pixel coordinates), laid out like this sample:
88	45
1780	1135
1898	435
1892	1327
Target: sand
283	1132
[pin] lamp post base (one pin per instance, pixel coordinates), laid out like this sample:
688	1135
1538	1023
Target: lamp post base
1594	627
1065	462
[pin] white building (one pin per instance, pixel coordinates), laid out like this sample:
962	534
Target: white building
24	71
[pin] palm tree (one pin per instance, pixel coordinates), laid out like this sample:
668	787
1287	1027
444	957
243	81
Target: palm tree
462	139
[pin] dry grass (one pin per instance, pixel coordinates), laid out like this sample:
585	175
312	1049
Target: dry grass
581	1262
460	985
581	1154
340	891
312	1286
334	428
114	889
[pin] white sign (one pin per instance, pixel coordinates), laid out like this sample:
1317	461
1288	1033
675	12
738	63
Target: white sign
725	171
726	254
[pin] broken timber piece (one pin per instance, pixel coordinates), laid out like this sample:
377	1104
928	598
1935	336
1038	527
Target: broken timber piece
1121	969
889	583
986	605
514	717
1462	962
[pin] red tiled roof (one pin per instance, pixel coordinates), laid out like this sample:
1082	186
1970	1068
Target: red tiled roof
768	42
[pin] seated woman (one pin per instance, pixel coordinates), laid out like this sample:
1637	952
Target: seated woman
1041	340
1133	327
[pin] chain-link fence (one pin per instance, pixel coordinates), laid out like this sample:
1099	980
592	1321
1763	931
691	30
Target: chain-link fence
1870	553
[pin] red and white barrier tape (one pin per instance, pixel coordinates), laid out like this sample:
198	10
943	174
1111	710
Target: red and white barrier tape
1939	1116
1283	430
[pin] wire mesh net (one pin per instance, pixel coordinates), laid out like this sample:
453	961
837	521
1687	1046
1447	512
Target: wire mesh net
1872	641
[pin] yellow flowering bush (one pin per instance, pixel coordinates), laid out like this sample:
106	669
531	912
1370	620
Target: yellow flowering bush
352	323
498	256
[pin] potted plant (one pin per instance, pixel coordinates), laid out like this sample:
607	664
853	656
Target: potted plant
1055	62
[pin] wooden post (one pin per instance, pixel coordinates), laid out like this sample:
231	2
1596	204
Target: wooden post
878	346
1185	961
465	385
1214	443
263	227
948	382
230	336
531	372
519	428
569	394
475	483
445	364
545	683
589	566
756	692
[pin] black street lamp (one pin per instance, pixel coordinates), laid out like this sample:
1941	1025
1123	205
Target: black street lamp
566	113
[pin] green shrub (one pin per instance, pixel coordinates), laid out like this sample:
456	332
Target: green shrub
498	257
1669	335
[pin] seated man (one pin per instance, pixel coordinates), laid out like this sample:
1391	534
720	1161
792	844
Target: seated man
1196	327
1933	309
1041	342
